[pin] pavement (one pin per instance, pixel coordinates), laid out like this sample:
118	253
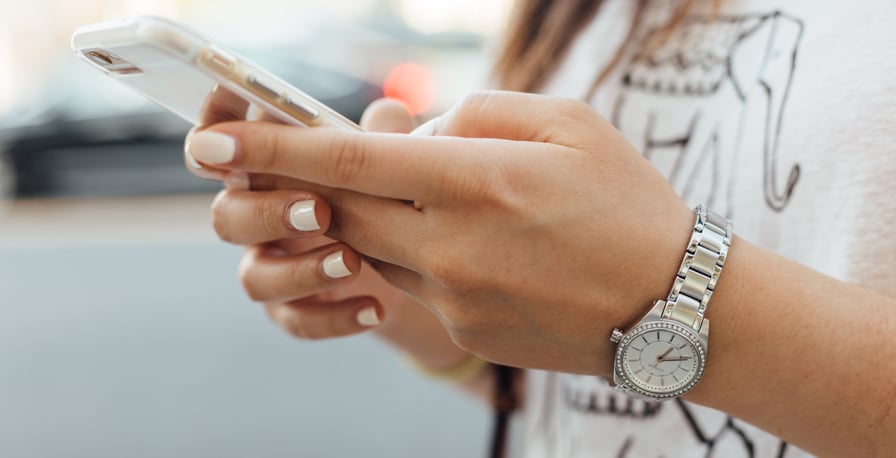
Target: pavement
124	333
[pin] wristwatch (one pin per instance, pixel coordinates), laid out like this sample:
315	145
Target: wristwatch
663	355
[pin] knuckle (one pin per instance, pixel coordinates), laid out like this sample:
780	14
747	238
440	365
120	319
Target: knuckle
295	326
247	280
253	291
268	215
248	277
470	107
474	101
301	275
265	153
292	321
571	108
220	221
567	117
332	327
349	159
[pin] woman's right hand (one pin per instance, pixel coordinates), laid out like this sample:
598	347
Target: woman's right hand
314	287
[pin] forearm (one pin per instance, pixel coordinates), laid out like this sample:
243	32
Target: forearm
802	355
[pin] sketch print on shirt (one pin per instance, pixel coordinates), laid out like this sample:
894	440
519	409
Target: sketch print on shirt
691	95
718	434
691	99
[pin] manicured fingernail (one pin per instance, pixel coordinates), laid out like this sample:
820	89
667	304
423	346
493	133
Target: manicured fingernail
192	161
211	147
368	317
334	266
302	217
237	181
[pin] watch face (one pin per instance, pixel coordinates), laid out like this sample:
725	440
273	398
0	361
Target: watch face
661	359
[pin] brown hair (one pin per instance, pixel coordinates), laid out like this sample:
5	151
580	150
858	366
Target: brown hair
540	32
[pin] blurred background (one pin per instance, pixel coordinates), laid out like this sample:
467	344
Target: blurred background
123	330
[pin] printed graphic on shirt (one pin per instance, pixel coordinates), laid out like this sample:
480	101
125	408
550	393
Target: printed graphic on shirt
687	101
686	105
713	433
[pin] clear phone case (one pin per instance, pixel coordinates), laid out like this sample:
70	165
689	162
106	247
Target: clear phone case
193	77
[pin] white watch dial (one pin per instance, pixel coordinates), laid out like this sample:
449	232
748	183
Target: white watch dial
659	360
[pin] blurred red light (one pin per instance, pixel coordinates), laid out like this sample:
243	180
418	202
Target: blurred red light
412	84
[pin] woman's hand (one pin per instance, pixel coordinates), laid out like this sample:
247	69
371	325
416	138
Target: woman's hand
311	285
535	228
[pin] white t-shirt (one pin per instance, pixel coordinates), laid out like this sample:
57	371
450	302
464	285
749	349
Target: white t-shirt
780	114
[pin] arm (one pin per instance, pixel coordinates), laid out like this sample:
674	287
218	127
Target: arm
536	229
802	355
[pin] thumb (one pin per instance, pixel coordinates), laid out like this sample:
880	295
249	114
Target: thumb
387	115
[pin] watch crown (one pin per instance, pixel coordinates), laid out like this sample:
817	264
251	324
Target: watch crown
616	336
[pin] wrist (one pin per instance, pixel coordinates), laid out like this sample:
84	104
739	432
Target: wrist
664	354
652	274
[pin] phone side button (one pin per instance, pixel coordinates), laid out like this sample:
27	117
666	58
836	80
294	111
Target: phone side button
264	88
217	60
307	115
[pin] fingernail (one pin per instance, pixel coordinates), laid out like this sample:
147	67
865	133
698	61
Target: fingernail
211	147
302	217
237	181
192	161
368	317
187	154
334	266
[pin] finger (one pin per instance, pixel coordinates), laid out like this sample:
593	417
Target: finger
387	115
222	105
268	277
312	319
383	228
193	166
249	217
388	165
518	116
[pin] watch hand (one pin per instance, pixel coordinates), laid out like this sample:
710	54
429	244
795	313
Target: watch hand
660	357
676	359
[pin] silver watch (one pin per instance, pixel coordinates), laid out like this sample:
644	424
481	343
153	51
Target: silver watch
663	355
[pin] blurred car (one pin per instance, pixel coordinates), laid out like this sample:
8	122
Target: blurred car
90	135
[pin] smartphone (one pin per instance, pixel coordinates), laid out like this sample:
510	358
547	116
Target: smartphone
195	78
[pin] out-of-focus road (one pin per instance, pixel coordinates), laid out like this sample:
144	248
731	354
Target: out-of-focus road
124	333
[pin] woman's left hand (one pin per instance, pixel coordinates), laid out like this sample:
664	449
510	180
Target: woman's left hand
535	227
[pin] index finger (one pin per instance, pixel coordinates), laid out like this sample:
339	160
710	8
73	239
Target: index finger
387	165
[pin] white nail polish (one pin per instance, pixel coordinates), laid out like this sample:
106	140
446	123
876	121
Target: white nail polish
368	317
334	266
237	181
211	147
302	216
192	161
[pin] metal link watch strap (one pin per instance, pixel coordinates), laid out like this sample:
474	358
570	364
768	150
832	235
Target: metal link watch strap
700	269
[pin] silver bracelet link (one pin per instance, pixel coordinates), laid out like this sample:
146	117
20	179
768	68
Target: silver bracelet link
700	269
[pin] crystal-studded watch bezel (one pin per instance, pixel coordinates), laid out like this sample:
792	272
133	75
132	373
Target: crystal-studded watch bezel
668	325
